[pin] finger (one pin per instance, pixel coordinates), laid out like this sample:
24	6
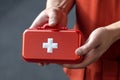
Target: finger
91	43
84	49
40	64
63	22
40	20
72	66
91	57
53	18
43	64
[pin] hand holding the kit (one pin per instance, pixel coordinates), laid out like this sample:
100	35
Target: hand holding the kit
53	16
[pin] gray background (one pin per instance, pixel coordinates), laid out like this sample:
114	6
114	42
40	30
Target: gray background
15	17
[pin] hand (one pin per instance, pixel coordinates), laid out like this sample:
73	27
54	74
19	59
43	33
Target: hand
98	42
53	16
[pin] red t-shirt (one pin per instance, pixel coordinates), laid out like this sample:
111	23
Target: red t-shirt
92	14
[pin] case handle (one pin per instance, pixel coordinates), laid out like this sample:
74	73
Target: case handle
47	27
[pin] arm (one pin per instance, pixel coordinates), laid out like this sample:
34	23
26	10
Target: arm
115	30
97	44
65	5
55	9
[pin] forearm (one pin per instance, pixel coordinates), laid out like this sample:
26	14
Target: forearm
65	5
114	30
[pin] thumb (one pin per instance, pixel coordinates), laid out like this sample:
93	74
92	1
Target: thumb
91	44
83	49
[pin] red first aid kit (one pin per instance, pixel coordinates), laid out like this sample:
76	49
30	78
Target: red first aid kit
51	45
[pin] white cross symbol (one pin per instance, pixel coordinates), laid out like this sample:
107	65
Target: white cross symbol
50	45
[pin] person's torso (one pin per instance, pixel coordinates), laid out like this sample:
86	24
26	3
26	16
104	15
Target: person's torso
92	14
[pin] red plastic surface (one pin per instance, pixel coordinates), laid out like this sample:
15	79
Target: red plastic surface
51	46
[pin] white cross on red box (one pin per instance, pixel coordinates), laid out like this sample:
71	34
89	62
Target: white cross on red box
50	45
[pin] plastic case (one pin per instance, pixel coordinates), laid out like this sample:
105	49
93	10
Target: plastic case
51	45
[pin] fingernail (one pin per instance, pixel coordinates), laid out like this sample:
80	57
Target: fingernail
51	23
78	52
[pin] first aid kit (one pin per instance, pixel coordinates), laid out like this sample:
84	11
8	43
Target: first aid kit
51	45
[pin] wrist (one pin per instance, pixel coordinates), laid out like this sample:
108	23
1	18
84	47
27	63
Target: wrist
113	31
56	8
63	5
